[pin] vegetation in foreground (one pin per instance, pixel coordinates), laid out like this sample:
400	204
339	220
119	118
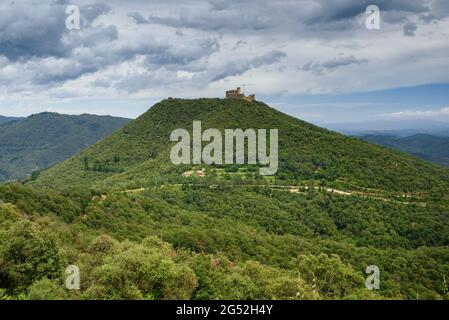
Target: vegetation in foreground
186	242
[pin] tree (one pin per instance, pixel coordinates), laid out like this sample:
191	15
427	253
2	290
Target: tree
27	255
138	271
46	289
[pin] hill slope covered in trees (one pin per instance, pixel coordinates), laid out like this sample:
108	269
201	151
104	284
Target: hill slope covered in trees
141	150
4	119
137	229
43	140
428	147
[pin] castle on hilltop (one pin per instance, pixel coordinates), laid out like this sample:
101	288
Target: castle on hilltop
239	94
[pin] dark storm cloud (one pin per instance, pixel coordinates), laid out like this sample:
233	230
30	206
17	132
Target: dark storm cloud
218	21
160	39
238	67
181	56
409	29
141	81
286	16
28	31
94	10
110	52
35	41
320	68
138	18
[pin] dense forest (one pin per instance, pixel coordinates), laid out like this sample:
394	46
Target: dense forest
190	242
42	140
137	229
425	146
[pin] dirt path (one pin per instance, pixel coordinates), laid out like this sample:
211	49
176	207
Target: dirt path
297	189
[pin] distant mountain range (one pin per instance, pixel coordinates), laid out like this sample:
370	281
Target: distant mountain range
45	139
140	150
8	119
397	128
428	147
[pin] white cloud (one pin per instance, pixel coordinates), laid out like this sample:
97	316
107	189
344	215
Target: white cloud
443	112
200	49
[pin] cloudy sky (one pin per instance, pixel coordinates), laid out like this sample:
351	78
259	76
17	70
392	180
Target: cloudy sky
314	59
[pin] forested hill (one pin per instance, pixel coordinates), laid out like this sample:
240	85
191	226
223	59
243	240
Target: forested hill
425	146
140	151
8	119
137	229
42	140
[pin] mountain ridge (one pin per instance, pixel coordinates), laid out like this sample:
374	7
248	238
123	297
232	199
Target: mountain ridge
425	146
307	152
44	139
4	119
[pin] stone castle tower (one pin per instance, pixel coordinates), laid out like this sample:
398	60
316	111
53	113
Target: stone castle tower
239	94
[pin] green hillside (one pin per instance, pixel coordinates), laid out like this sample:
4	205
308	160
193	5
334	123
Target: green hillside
198	242
8	119
425	146
43	140
137	229
140	150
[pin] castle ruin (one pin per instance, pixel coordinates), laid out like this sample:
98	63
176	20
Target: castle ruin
239	94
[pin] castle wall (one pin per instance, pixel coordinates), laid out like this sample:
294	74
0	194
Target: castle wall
238	94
